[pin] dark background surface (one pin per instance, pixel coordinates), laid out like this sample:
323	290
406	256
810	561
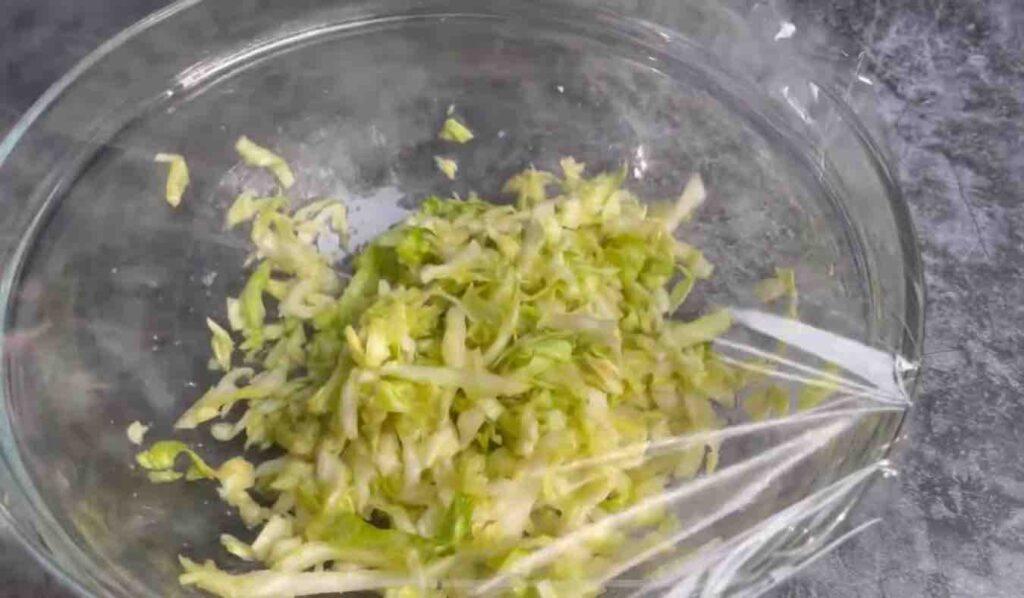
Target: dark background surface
950	87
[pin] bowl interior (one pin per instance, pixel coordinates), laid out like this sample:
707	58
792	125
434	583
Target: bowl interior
110	288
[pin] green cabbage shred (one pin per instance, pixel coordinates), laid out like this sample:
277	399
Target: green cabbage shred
256	155
411	427
177	177
447	166
456	132
783	284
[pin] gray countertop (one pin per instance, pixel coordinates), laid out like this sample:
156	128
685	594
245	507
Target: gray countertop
952	92
950	86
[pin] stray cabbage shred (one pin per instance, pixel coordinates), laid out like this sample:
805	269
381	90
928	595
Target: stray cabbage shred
456	132
177	177
483	385
136	432
447	166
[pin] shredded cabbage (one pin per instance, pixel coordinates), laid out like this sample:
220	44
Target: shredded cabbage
447	166
256	155
222	344
432	419
783	284
136	432
454	131
177	177
692	197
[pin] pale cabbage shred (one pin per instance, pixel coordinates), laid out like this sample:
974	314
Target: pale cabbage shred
177	177
425	407
136	432
447	166
453	130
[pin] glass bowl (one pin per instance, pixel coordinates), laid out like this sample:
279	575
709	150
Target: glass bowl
105	289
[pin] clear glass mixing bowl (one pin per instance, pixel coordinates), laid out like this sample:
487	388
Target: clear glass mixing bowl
105	289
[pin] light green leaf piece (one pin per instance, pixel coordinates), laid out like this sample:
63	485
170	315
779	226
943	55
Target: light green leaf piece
242	210
136	432
783	284
257	155
530	186
704	329
160	458
766	403
278	584
770	289
177	177
692	197
454	131
447	166
221	343
237	547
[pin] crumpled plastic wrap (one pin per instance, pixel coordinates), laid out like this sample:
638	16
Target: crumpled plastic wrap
784	488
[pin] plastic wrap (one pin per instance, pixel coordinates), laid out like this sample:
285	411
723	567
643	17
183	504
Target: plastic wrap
772	509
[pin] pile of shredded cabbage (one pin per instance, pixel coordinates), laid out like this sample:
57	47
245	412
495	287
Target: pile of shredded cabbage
477	393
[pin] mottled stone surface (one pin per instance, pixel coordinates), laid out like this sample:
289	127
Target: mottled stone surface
950	85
